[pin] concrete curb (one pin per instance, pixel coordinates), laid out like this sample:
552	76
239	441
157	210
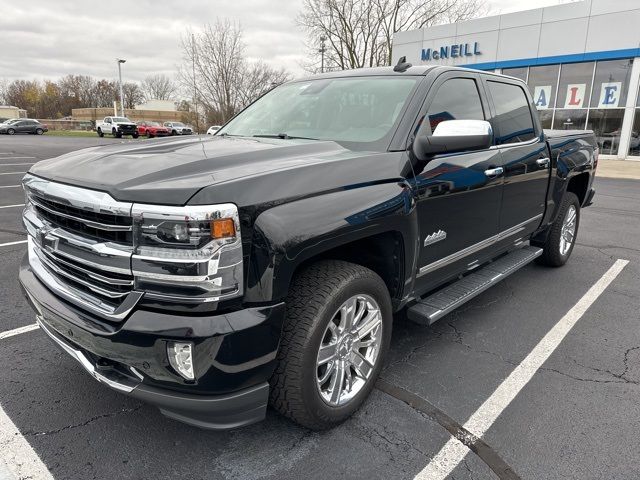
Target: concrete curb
626	169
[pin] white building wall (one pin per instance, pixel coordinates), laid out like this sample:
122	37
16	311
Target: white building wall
577	28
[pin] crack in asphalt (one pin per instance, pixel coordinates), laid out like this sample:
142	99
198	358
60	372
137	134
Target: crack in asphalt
425	408
607	247
83	424
458	334
13	232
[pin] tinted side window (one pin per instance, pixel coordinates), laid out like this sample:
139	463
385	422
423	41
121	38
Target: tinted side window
513	120
456	99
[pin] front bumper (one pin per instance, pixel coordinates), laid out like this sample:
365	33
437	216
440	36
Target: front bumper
234	356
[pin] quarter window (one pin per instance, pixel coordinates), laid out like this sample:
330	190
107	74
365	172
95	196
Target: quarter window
513	120
456	99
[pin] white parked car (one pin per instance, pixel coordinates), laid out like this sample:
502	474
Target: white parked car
213	129
178	128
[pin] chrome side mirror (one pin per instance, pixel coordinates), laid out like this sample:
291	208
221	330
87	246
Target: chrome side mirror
451	136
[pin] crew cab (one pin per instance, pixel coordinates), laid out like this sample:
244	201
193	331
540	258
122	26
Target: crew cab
117	126
265	264
152	129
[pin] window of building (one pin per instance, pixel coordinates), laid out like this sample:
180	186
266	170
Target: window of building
611	83
589	95
456	99
634	144
513	120
546	118
518	72
543	82
570	119
607	125
575	85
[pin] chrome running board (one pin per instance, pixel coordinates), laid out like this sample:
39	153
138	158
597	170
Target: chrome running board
435	306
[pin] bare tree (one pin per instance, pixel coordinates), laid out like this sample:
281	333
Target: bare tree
158	87
359	33
215	71
132	94
105	93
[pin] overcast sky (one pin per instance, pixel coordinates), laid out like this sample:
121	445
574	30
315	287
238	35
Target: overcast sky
49	39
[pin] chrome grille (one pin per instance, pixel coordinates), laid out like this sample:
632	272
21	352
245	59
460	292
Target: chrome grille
81	246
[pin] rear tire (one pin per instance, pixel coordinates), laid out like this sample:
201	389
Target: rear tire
100	133
319	305
563	233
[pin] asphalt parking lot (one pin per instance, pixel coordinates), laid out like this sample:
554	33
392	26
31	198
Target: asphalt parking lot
578	416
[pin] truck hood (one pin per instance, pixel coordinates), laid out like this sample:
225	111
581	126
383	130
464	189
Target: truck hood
172	171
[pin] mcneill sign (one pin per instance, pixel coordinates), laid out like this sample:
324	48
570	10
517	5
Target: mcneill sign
453	51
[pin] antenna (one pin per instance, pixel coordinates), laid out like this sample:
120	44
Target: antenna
402	65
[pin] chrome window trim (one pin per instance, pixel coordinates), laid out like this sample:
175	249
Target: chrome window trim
454	257
519	144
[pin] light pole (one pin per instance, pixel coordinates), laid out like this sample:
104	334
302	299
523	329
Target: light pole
195	87
322	50
120	61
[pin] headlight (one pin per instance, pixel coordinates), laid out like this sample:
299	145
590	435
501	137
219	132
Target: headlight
189	254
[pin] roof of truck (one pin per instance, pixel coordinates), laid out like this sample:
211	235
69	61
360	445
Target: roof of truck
389	71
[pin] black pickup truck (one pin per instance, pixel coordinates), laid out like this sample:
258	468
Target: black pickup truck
265	264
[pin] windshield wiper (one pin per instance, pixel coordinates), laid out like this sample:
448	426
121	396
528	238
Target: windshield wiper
283	136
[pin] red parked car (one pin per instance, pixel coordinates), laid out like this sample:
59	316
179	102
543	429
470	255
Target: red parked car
152	129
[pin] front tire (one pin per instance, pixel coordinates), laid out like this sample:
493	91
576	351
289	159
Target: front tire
11	131
562	236
335	337
135	135
39	131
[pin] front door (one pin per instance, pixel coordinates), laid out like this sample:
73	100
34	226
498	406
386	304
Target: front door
525	158
458	195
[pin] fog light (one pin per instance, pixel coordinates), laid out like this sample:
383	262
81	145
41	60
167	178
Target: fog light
181	358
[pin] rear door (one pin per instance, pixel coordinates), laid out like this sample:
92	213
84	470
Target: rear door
23	126
458	198
525	158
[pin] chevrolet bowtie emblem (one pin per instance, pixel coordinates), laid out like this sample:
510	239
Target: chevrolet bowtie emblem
435	237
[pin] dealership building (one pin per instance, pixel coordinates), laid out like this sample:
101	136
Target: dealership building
580	60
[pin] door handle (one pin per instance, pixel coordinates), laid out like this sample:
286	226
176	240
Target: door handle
543	162
494	172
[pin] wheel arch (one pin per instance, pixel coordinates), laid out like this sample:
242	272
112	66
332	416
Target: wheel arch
579	184
283	243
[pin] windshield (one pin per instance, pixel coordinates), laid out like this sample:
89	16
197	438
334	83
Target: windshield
153	124
356	109
121	119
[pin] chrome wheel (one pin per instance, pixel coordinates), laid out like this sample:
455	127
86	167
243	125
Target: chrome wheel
349	350
568	231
